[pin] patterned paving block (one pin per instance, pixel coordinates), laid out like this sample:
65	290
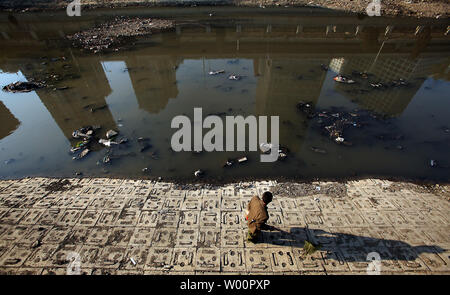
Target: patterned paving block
70	217
391	238
382	204
159	258
408	259
208	237
307	204
412	236
78	235
286	204
434	259
187	237
42	256
120	236
313	219
369	238
183	259
229	191
135	203
125	191
56	235
363	204
176	193
232	259
210	219
434	218
135	258
258	260
89	217
194	204
112	257
277	218
278	238
153	203
46	202
16	256
232	237
168	219
189	218
50	216
324	236
116	203
248	192
299	236
273	206
14	233
437	235
333	261
31	216
108	217
333	219
233	219
194	194
148	219
65	255
356	259
211	204
354	219
344	204
172	203
98	236
142	191
375	219
142	236
34	234
128	217
164	237
282	260
207	259
212	193
346	237
98	203
90	255
13	216
80	202
396	218
230	204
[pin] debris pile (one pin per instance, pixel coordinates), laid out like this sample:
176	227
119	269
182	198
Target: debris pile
113	34
23	86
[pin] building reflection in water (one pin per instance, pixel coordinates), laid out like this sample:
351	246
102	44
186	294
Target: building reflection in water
8	123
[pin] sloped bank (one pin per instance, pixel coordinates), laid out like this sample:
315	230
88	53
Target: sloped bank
416	8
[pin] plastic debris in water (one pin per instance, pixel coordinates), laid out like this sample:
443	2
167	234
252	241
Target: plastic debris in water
433	163
198	173
342	79
216	72
242	160
339	139
107	143
111	134
234	77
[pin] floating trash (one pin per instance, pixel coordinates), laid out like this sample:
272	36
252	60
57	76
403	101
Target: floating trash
234	77
111	134
343	79
216	72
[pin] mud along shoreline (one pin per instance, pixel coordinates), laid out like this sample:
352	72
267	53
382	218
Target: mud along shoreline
393	8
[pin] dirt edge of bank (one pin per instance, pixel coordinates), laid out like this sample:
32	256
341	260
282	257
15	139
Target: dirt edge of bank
413	8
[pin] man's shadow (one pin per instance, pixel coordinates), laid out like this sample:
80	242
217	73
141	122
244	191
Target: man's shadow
353	247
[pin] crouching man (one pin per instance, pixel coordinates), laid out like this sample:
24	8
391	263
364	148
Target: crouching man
257	216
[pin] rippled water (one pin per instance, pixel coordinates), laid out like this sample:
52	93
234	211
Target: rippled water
283	59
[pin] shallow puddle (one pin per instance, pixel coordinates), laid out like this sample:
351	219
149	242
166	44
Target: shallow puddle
400	130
